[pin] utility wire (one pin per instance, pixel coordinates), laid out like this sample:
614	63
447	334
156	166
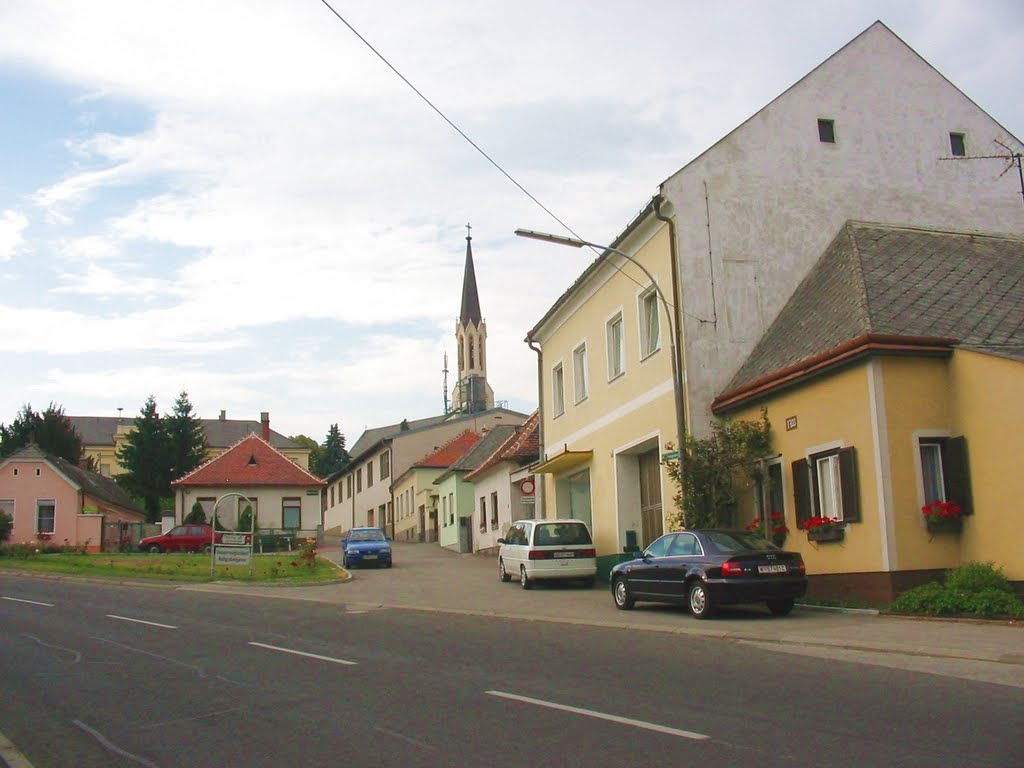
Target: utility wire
472	143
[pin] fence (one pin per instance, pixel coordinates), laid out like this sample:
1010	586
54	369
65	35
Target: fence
125	537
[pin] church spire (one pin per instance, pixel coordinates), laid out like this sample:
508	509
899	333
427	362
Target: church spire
470	298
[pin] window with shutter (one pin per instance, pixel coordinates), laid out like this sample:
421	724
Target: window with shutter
826	485
957	474
849	486
802	492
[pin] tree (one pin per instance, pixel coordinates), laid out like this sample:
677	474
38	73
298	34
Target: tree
52	432
146	459
197	516
6	525
713	467
333	456
186	437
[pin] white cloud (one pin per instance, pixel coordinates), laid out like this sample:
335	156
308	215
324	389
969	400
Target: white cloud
12	224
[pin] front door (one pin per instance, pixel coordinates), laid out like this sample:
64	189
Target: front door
650	496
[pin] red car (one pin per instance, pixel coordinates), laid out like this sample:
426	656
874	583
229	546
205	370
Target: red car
181	538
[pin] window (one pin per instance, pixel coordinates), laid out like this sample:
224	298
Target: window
557	390
579	372
827	131
483	514
359	479
348	487
332	496
7	507
650	323
291	513
385	465
616	351
494	510
957	145
944	471
825	485
369	474
444	511
45	515
451	508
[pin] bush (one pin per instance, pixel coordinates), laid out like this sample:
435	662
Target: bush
196	516
6	525
973	589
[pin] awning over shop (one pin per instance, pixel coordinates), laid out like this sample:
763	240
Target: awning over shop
563	462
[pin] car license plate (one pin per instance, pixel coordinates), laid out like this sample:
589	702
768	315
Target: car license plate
563	554
771	569
374	557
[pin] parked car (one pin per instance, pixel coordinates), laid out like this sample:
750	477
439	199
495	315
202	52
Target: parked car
709	568
547	549
366	546
182	538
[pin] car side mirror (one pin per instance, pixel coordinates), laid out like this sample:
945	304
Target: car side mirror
387	538
642	556
502	541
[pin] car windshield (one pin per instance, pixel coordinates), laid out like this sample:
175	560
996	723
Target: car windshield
366	536
738	541
561	534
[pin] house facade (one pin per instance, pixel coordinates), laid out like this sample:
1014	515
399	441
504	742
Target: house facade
874	133
416	496
901	393
51	499
504	485
103	436
284	497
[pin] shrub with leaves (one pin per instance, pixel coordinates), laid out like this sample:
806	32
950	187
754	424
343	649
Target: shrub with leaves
973	589
197	516
6	525
307	553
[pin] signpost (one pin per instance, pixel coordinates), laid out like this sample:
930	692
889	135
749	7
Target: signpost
233	548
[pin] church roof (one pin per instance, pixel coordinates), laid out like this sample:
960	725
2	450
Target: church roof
470	298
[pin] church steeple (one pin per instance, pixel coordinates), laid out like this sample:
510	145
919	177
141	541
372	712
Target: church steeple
470	298
471	393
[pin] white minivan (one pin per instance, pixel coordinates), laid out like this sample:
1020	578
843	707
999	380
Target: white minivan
547	549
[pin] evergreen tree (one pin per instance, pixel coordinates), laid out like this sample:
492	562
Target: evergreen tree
333	455
52	432
146	459
186	436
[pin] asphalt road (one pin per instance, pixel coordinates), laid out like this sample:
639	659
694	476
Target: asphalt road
98	675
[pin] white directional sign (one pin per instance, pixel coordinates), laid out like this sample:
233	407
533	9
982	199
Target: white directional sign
231	555
234	538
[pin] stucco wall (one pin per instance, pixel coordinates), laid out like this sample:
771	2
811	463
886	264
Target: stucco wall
757	209
269	501
27	488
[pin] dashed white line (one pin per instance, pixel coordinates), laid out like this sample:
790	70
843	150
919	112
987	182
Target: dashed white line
30	602
303	653
140	621
601	716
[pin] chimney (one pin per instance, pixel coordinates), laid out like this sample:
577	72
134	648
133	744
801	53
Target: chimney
223	415
265	423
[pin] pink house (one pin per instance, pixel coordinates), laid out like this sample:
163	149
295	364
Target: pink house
53	500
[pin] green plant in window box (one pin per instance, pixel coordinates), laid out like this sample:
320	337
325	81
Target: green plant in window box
943	517
824	529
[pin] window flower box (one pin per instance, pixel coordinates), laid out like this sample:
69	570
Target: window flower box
943	517
826	534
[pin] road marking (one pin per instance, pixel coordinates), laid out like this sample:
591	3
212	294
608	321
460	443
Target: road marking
303	653
601	716
112	747
140	621
30	602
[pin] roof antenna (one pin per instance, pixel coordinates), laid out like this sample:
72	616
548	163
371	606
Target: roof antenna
445	385
1013	159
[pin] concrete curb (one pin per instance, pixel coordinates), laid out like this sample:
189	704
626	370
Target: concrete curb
11	757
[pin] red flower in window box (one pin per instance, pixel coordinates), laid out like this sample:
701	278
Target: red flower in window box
943	517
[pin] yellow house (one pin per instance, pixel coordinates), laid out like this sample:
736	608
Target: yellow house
103	436
607	392
893	378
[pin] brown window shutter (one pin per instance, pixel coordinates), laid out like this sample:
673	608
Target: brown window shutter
956	473
802	492
848	485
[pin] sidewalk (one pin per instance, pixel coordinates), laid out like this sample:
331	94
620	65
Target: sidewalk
426	577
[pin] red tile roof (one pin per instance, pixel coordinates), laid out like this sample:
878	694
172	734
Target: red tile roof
450	452
250	461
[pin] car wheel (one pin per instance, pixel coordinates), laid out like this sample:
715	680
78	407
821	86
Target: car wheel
502	573
524	580
344	563
701	604
623	595
781	606
154	549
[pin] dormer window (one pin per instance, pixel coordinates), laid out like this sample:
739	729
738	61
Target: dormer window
826	131
957	145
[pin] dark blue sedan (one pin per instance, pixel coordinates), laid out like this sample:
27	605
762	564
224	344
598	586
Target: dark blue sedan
708	568
366	546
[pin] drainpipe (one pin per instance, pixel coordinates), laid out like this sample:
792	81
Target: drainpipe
539	487
677	311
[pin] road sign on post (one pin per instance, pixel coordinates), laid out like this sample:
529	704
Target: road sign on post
234	548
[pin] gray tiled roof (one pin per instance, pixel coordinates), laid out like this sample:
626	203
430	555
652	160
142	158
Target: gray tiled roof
220	433
899	281
480	452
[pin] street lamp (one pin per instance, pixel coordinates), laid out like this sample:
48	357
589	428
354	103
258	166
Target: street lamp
677	384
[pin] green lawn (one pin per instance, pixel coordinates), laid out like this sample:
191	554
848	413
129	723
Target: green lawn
275	568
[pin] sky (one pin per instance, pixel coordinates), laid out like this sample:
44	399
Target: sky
240	200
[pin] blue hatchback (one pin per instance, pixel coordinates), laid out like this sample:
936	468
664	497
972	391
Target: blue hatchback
366	546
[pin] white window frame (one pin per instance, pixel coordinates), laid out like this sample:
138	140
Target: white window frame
10	507
580	382
52	503
830	505
648	310
558	389
616	346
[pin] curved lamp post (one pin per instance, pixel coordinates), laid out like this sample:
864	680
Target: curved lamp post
677	384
